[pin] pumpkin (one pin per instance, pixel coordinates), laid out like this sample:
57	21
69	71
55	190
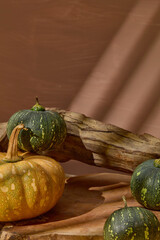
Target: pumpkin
145	184
46	129
30	184
132	223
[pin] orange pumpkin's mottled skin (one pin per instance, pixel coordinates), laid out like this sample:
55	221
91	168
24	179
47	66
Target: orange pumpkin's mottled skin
29	187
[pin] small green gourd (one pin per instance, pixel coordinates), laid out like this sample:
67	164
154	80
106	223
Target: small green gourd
145	184
46	129
132	223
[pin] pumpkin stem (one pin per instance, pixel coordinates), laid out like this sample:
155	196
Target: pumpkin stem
12	152
157	163
37	101
125	201
37	106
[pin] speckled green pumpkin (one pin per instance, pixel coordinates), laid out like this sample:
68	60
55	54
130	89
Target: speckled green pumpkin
132	223
145	184
46	129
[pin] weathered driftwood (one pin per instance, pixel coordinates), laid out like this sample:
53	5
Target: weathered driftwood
99	144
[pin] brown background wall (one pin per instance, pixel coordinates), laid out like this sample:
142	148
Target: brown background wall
98	57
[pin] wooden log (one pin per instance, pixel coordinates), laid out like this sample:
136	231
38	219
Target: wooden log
104	145
96	143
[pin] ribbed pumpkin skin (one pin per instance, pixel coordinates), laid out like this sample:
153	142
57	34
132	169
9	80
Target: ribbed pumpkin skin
29	187
145	185
132	223
46	129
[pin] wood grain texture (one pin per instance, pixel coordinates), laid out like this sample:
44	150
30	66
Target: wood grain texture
103	145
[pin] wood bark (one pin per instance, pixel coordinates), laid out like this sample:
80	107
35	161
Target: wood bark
96	143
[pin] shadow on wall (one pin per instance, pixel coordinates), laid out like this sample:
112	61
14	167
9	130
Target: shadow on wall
123	88
78	168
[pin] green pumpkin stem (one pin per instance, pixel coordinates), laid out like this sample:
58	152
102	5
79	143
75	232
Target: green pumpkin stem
125	201
12	152
37	106
157	163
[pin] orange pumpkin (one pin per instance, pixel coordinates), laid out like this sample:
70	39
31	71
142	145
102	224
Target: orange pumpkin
30	184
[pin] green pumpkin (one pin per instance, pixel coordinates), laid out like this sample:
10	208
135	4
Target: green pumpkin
132	223
46	129
145	184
